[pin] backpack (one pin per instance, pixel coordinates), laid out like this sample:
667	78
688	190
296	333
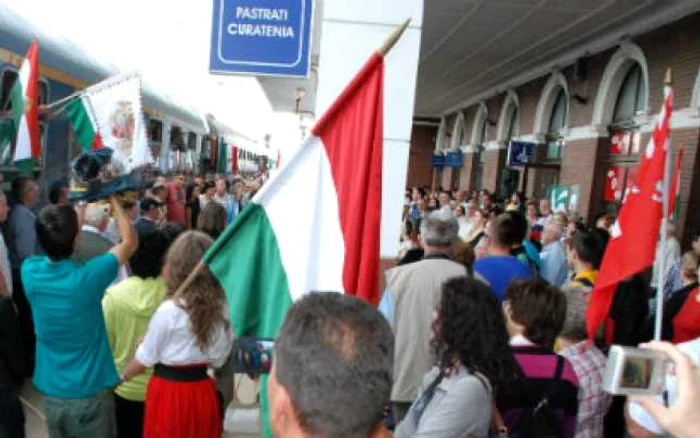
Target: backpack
541	421
521	254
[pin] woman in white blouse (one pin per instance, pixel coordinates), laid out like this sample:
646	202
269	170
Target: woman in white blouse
189	333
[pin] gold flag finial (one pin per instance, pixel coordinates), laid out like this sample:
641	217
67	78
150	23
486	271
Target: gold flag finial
669	77
393	38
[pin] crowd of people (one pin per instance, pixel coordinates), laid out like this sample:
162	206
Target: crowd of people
541	266
481	328
95	311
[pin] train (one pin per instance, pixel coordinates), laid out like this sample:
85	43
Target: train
181	138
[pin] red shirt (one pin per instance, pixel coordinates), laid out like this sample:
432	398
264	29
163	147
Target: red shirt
176	205
686	324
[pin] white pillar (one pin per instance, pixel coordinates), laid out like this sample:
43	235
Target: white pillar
351	32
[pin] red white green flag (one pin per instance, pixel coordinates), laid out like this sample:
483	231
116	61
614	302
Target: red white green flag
268	259
24	97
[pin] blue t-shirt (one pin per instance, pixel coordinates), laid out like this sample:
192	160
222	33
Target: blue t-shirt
73	358
500	271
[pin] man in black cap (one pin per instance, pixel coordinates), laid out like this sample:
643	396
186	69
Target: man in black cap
150	216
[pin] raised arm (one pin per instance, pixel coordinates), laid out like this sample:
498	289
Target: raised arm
126	248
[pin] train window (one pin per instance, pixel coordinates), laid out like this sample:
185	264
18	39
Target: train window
8	81
191	141
177	141
155	130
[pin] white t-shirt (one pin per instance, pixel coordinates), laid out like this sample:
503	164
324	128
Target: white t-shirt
640	415
170	341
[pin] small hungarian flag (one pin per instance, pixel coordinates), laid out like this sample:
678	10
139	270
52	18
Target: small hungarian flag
109	114
265	261
632	245
24	96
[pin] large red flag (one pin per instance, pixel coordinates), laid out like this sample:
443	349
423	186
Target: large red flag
634	236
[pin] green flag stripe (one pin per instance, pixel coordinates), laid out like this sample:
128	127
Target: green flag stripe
17	99
246	261
82	125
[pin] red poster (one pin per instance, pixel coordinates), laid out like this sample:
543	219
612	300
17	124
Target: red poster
619	143
614	179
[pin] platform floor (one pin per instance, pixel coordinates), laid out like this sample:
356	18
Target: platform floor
242	416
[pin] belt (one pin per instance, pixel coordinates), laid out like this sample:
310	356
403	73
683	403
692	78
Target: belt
181	374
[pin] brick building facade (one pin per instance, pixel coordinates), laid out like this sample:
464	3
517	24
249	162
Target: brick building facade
574	114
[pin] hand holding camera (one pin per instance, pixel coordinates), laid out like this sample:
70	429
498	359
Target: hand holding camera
681	419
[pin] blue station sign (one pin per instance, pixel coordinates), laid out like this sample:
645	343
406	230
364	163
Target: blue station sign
260	37
454	159
438	160
521	153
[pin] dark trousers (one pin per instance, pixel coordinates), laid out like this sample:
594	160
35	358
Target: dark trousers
11	412
129	417
25	318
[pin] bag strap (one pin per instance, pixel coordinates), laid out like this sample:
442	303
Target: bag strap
497	422
425	398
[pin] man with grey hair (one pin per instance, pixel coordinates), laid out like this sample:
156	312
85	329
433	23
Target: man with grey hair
553	255
589	365
409	302
91	240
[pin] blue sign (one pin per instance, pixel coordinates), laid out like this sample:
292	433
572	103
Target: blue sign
455	159
260	37
521	153
438	160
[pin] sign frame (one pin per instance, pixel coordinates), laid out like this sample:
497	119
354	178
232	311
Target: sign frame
300	68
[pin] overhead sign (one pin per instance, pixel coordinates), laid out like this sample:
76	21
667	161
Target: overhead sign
520	153
260	37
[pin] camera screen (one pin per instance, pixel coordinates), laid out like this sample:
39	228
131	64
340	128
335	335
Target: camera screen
637	373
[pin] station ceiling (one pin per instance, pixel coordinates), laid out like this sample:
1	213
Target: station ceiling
472	49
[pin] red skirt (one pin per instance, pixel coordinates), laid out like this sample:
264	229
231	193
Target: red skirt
182	409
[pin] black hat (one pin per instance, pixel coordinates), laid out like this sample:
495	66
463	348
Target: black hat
148	202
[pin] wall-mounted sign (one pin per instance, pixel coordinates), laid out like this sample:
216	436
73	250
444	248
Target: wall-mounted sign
520	153
438	160
260	37
454	159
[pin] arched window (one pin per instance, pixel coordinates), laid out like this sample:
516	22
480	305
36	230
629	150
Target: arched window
513	126
557	123
632	96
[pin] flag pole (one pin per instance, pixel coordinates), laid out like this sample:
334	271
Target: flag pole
664	230
393	38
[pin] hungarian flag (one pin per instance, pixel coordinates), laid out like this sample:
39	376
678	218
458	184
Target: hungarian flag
632	245
315	225
109	114
24	97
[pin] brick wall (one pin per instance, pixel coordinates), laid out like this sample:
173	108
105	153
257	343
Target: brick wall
579	167
495	160
420	165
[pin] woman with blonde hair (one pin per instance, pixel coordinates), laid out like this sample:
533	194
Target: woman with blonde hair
189	333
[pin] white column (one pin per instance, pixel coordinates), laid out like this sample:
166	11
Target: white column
351	32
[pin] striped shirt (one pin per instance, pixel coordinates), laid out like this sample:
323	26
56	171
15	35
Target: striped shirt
589	365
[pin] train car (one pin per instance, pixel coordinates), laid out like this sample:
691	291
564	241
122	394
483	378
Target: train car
229	151
175	131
